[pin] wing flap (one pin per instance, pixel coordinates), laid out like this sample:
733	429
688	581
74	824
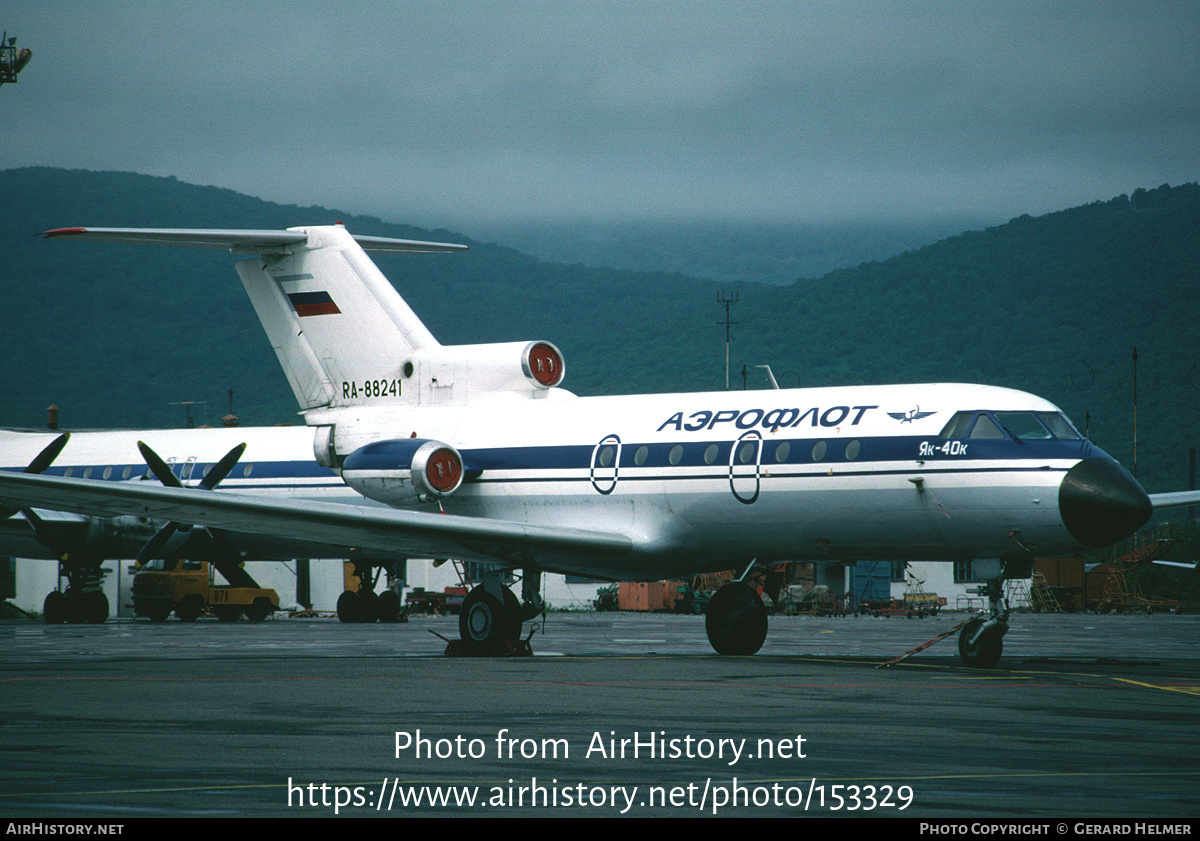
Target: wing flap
420	534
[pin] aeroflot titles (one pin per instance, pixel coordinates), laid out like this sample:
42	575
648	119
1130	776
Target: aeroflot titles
771	419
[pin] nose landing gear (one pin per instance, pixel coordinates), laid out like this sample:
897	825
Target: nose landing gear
981	641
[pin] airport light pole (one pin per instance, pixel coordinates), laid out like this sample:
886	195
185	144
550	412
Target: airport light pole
728	299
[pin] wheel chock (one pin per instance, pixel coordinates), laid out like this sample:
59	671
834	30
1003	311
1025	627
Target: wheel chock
512	648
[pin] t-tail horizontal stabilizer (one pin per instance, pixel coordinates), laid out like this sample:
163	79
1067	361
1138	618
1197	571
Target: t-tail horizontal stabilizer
241	241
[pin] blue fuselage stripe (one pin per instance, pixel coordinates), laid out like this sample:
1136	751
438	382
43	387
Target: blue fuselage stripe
799	452
794	458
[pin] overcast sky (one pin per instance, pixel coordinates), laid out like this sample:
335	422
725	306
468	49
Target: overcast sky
433	113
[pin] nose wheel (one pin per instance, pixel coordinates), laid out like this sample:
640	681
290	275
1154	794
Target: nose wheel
981	641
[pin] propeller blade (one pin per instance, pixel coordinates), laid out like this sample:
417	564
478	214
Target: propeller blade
159	467
47	456
39	464
154	547
221	469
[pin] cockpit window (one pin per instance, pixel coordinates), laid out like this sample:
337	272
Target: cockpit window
985	427
1023	425
1026	426
1059	425
958	426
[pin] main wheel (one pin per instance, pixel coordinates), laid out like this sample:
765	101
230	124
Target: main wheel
259	609
54	609
347	607
368	606
984	652
189	608
389	606
486	623
94	605
736	620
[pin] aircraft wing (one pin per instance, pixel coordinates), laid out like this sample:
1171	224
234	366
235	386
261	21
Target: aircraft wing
241	241
420	534
1175	499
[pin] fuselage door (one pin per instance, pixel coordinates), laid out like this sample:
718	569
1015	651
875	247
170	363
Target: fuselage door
745	464
605	459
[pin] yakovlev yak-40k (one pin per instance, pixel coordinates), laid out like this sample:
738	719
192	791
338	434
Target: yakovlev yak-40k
475	452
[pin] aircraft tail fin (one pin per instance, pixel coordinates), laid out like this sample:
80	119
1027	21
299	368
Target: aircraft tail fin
342	333
337	325
335	322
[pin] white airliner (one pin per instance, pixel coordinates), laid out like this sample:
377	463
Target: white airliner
476	453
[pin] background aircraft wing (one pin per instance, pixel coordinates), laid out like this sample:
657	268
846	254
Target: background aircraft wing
241	241
420	534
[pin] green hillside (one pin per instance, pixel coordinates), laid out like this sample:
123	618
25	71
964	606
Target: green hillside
1054	305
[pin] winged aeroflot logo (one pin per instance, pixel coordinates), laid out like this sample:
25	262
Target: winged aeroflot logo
911	415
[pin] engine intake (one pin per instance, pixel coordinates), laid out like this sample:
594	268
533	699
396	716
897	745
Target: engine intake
404	471
455	374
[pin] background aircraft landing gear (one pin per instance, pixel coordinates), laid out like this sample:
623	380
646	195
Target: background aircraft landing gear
75	606
360	603
83	600
736	619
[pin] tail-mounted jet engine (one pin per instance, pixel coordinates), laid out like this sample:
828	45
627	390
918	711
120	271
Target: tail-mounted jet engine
454	374
404	471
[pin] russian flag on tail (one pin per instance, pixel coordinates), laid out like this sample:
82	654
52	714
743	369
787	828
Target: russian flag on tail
313	303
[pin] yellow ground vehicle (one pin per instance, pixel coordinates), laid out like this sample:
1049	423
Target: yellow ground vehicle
187	587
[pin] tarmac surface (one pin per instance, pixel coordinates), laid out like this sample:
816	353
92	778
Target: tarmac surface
1086	717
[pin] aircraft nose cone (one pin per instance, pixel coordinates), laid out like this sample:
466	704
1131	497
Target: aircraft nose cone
1100	503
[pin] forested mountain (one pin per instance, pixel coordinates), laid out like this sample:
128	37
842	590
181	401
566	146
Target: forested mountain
1054	305
724	251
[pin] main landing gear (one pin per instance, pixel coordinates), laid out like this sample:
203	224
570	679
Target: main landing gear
736	619
492	615
82	601
360	603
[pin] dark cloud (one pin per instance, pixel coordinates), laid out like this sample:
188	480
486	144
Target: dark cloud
458	110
